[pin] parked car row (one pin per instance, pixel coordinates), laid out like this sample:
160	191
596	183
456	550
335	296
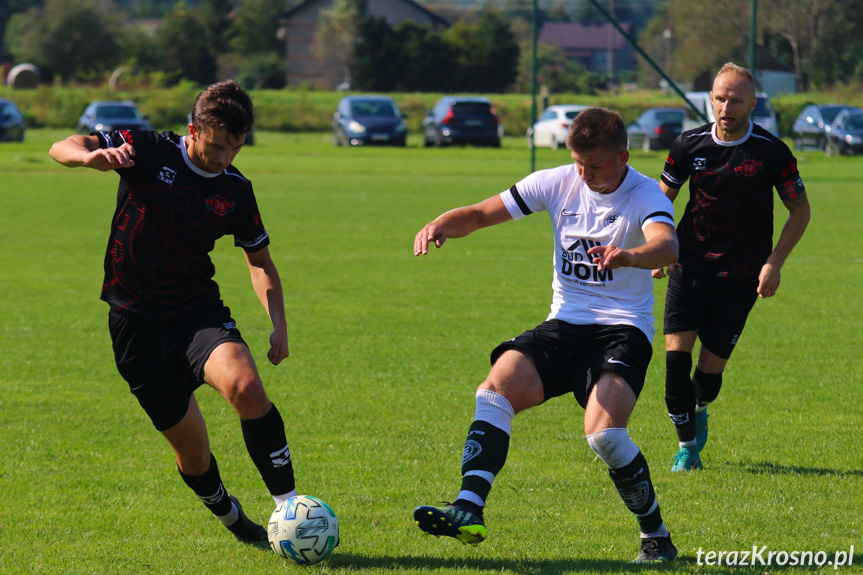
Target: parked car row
12	124
830	128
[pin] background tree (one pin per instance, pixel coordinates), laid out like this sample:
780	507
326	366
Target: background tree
799	23
336	35
376	61
426	59
186	49
68	38
553	70
486	53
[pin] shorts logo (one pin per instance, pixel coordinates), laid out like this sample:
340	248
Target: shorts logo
699	164
230	325
471	450
748	168
167	175
220	205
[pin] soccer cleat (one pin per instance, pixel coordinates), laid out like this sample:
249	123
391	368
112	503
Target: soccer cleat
686	459
656	550
701	428
452	520
244	529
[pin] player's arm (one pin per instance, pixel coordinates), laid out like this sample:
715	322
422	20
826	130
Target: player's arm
84	151
658	250
671	193
792	231
268	287
461	222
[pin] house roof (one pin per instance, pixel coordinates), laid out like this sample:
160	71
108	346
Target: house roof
571	36
288	14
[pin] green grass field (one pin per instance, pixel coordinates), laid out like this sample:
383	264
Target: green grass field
386	352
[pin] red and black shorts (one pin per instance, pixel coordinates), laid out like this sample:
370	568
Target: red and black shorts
163	362
569	358
715	307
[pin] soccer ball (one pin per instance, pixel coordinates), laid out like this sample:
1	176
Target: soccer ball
304	530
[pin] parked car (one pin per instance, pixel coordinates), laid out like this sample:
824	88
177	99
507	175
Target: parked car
812	126
107	116
12	123
552	127
764	115
846	134
462	120
363	120
656	128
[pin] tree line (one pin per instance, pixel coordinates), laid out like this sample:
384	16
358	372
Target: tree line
486	48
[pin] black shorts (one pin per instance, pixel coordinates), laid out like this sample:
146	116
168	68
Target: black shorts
569	358
163	362
715	307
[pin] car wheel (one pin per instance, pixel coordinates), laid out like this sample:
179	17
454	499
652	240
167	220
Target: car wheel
822	143
645	144
828	149
527	139
438	140
552	143
336	141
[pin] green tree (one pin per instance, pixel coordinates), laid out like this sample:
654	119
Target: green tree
255	27
553	70
69	38
426	59
186	49
376	61
217	17
486	53
336	35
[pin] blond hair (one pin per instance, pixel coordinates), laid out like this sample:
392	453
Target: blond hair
739	71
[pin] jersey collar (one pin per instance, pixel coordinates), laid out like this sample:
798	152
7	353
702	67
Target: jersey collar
193	167
735	142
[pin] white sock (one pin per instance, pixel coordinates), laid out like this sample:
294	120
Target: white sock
495	409
661	532
231	516
613	446
279	499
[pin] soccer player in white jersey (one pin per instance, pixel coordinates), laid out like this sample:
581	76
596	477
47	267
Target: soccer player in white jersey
612	226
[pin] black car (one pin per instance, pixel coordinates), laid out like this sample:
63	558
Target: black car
656	128
107	116
846	134
365	120
462	120
11	122
812	127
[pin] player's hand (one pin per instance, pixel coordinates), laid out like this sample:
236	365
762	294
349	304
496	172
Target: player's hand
611	257
278	345
768	281
106	159
661	273
431	233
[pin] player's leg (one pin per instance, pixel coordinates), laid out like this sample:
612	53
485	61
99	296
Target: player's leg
513	385
231	370
199	470
609	406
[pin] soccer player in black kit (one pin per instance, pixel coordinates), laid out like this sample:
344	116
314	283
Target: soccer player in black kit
171	332
727	258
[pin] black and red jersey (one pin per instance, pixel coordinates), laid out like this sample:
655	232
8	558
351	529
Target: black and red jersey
727	227
169	215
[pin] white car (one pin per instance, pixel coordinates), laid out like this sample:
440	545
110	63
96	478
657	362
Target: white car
552	127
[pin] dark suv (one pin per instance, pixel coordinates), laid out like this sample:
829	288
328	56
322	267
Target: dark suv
462	120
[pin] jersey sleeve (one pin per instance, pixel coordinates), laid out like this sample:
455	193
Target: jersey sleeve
144	143
531	194
788	182
675	173
251	235
656	208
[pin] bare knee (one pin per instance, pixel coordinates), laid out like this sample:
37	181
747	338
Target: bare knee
514	376
247	396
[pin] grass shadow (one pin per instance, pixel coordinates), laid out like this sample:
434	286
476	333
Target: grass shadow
766	467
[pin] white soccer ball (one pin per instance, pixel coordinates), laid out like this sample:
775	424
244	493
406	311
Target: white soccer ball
304	530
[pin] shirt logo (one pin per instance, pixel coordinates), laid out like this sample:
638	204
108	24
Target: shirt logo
565	212
611	222
220	205
699	164
748	168
167	175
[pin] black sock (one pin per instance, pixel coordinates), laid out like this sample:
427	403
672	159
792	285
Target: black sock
706	386
267	445
484	455
636	489
208	487
679	394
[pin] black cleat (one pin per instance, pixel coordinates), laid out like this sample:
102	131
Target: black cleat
453	520
656	550
244	529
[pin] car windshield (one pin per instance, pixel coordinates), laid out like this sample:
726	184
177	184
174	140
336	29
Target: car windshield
117	112
669	117
471	108
378	108
829	114
762	108
855	121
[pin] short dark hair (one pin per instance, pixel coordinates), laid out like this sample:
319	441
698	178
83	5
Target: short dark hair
224	105
597	128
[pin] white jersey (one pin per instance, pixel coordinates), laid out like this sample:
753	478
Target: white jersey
581	219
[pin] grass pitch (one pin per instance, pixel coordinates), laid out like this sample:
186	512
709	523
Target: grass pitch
386	352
